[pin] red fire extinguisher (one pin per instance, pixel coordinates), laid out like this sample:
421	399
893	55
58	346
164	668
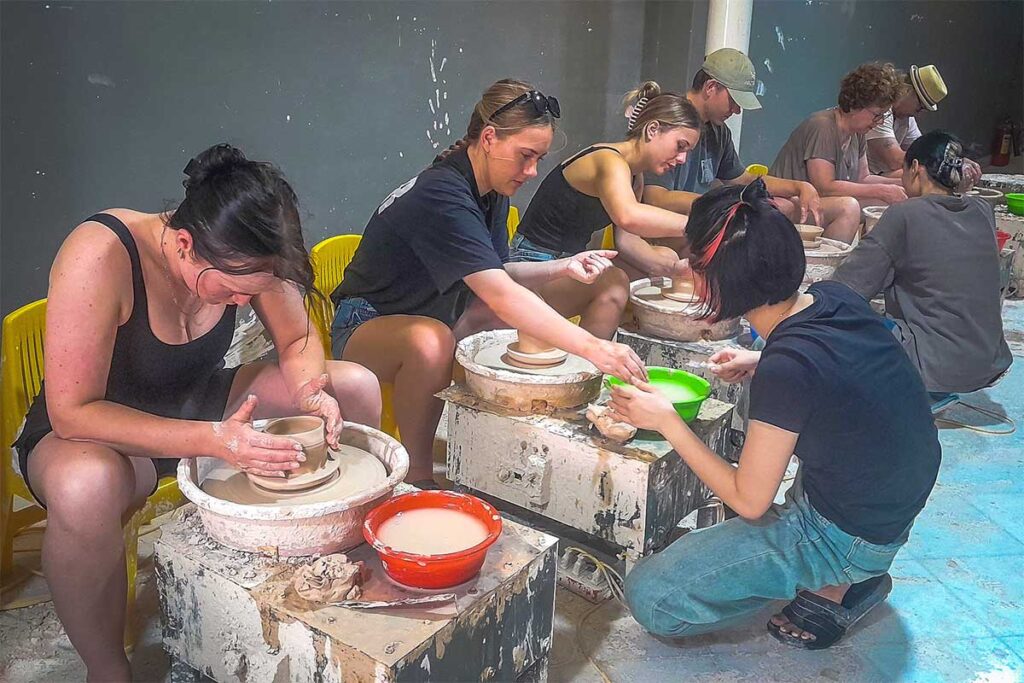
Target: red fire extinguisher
1001	144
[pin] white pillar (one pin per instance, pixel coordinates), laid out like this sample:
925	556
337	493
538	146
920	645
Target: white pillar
729	26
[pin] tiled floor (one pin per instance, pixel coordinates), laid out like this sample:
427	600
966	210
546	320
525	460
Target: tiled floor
956	612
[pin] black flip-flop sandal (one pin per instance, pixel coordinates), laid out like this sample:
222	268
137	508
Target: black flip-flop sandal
828	621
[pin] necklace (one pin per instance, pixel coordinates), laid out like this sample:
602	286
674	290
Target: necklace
777	320
164	261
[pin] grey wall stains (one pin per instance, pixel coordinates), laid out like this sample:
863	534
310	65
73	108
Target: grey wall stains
810	44
104	102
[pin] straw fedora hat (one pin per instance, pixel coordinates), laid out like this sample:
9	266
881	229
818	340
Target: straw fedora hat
928	85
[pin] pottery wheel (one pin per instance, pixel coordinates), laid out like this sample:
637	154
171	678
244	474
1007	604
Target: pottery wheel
682	297
496	356
301	482
543	359
354	470
813	244
659	297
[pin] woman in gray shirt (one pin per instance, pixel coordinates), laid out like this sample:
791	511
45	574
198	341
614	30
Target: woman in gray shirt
935	257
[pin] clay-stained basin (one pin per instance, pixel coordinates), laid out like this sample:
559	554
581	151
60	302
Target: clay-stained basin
668	319
296	530
568	385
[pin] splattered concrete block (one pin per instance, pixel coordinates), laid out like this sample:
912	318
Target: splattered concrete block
628	495
225	616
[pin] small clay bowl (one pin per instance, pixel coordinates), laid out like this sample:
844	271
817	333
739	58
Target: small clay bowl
810	234
532	345
310	432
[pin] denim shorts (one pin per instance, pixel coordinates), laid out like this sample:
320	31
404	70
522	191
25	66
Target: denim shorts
522	249
350	314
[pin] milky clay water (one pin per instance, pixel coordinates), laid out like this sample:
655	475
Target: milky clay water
431	531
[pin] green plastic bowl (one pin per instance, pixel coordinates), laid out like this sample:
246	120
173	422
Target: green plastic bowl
1015	203
686	390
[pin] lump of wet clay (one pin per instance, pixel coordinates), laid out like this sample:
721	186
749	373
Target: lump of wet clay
609	428
329	579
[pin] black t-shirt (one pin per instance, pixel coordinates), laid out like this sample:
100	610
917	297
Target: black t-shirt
834	374
424	238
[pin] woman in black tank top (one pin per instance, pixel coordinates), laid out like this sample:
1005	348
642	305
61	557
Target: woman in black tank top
141	311
603	184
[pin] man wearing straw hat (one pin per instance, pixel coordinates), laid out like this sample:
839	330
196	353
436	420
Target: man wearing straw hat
889	140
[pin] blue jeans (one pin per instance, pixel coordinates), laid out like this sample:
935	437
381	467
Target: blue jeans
350	314
522	249
712	578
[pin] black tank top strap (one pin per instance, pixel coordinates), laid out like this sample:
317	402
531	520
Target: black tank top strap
140	303
584	152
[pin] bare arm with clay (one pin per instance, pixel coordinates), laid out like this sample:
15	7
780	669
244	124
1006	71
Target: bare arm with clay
611	181
524	310
749	488
89	298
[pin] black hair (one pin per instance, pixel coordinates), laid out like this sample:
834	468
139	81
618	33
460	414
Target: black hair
699	79
941	154
760	258
243	217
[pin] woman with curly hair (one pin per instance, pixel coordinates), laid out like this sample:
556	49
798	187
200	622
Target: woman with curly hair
829	148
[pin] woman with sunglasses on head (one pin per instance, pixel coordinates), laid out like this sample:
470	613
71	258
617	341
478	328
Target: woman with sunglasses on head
935	258
141	311
832	386
431	269
829	149
603	184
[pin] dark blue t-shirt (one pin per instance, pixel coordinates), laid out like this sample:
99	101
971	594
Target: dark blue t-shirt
424	238
869	451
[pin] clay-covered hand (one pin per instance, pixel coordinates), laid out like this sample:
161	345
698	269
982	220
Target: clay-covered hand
312	398
587	266
682	269
253	451
642	406
810	204
892	194
972	174
734	365
617	359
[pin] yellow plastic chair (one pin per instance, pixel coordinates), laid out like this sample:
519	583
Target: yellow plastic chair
608	238
330	258
512	222
21	370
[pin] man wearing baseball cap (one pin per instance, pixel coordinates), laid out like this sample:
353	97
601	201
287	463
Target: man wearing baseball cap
724	86
923	89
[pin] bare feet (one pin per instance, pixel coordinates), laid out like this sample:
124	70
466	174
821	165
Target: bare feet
833	593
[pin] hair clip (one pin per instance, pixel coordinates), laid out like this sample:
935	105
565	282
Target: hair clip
635	112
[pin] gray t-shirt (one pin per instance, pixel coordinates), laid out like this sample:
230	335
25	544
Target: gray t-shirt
818	137
936	259
714	158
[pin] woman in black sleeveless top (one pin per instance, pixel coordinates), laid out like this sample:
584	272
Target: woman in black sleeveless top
603	184
141	311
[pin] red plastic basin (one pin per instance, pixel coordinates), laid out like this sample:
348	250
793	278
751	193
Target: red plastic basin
432	571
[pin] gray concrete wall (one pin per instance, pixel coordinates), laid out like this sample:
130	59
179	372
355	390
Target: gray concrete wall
810	44
104	102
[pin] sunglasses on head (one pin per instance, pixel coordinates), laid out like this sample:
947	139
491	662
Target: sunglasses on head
540	103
